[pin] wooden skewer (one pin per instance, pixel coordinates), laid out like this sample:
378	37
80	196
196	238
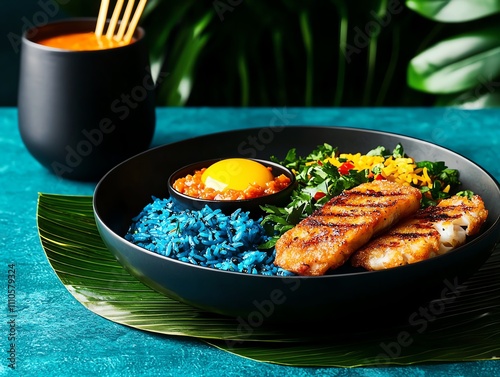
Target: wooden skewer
124	22
114	19
124	34
101	19
135	21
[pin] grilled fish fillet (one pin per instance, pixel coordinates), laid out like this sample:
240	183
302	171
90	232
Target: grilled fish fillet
432	231
328	237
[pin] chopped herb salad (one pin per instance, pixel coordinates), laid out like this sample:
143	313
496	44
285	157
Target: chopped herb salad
325	173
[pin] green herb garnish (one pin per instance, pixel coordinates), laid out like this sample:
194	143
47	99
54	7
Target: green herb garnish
318	180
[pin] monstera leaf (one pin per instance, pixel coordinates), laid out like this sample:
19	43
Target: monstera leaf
454	10
466	65
458	63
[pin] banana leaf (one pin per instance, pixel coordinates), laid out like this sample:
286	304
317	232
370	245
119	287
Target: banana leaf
468	329
454	10
458	63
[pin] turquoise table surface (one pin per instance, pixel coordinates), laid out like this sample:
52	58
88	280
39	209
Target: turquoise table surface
57	336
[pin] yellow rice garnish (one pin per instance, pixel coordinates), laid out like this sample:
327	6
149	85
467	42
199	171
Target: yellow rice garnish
402	169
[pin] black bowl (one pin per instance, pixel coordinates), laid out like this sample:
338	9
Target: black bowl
72	114
280	198
344	293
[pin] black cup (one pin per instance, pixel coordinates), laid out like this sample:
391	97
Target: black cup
83	112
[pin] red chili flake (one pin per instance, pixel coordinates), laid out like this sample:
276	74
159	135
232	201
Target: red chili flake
345	167
319	195
379	177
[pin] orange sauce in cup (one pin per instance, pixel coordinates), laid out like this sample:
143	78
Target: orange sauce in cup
81	42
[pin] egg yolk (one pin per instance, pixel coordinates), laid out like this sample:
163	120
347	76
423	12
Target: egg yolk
236	174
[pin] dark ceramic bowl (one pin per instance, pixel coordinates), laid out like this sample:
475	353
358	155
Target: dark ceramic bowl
73	114
280	198
345	293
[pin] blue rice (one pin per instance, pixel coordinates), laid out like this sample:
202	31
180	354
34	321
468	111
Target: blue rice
205	238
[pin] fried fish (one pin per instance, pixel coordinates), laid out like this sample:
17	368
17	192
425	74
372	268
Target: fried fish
432	231
327	238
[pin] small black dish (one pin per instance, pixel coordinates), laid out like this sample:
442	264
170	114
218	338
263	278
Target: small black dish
253	205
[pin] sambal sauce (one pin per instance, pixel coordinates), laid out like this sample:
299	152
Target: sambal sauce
87	41
192	185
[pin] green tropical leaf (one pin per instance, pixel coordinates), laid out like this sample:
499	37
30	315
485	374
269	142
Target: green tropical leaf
185	52
473	99
454	10
242	56
159	29
343	28
458	63
305	27
468	328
